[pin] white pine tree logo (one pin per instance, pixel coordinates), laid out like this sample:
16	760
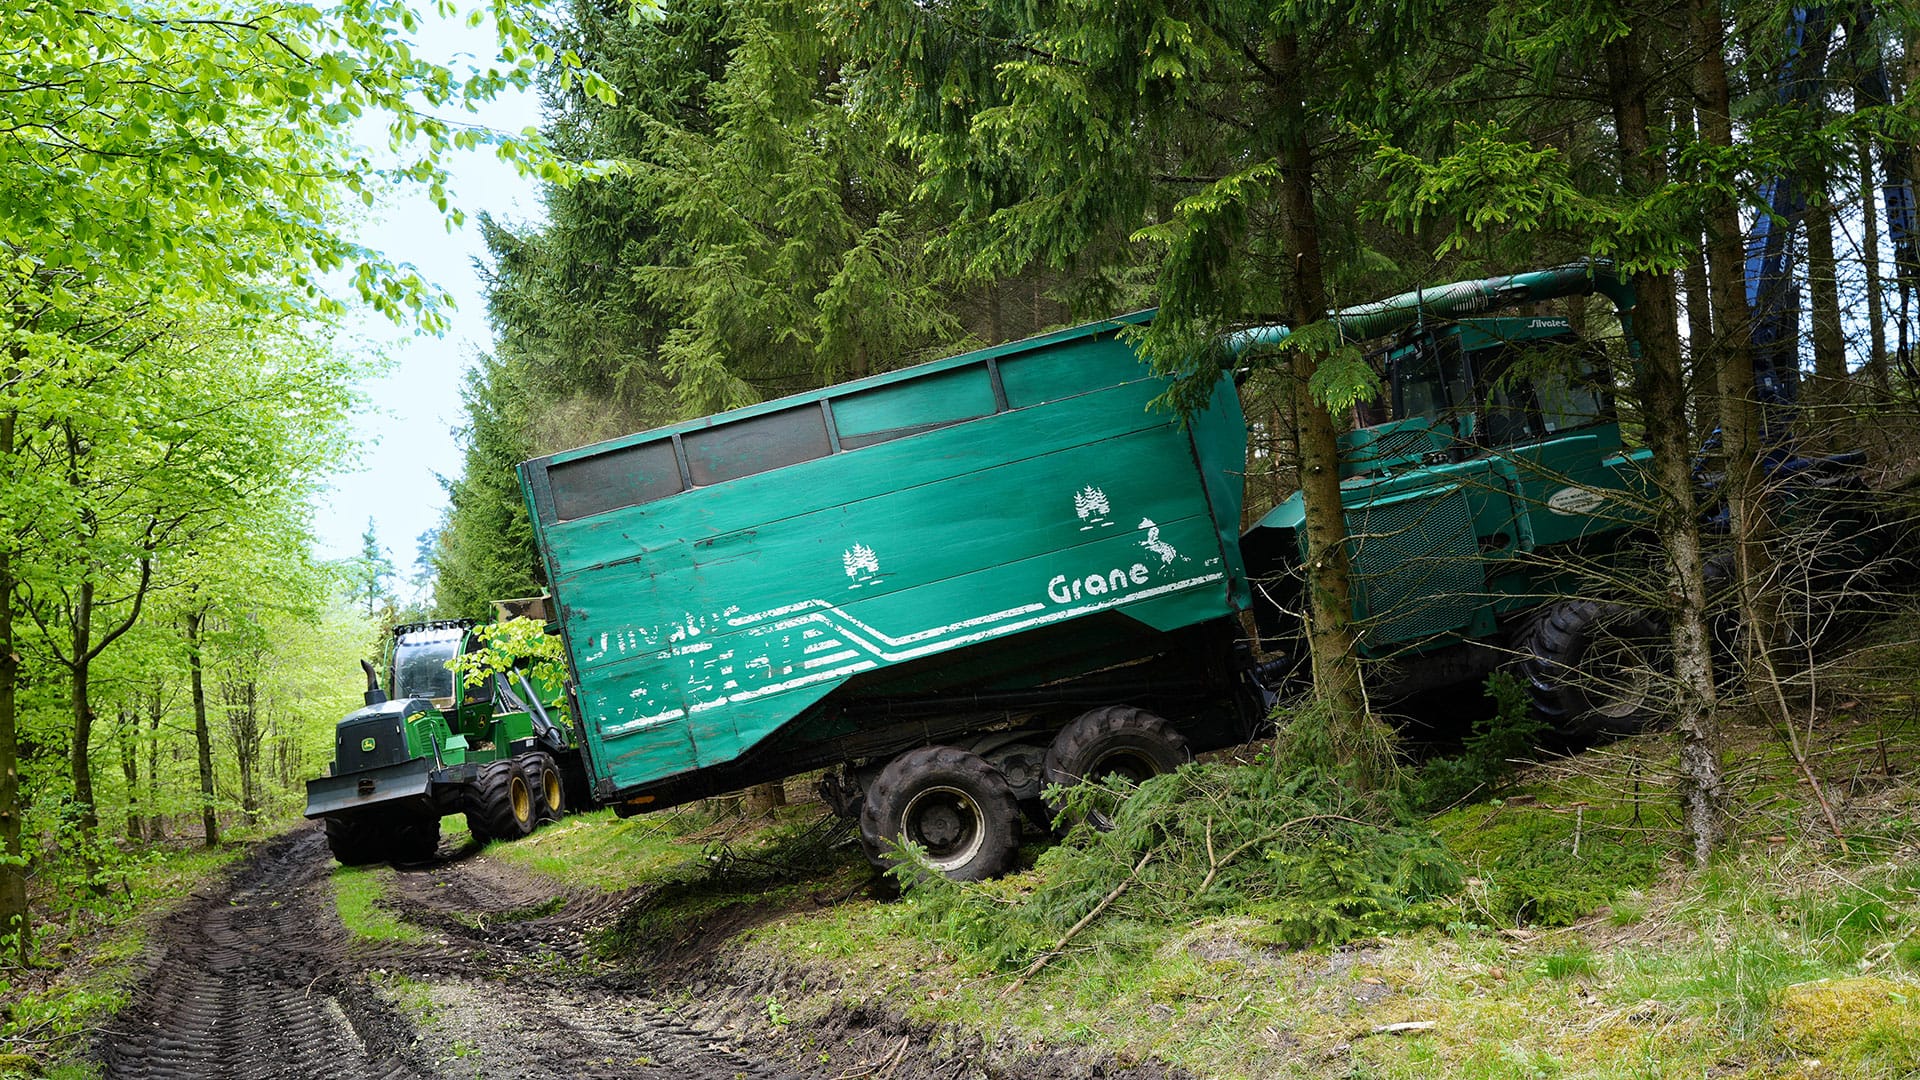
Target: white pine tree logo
1090	503
860	560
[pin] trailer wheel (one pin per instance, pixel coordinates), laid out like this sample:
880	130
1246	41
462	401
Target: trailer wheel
506	801
1118	740
949	803
356	842
1593	668
417	839
549	793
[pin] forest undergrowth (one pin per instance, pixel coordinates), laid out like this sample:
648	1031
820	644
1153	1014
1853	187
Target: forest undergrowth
1483	916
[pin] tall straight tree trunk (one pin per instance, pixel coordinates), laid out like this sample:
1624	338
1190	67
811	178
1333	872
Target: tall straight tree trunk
209	820
1336	670
127	733
1662	390
1870	254
247	752
156	712
15	920
1739	412
80	676
1706	374
1823	285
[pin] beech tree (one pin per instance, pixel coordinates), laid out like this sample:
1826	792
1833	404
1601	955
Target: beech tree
169	171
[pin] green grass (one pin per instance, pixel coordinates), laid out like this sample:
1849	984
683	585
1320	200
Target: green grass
601	851
409	995
356	895
1581	942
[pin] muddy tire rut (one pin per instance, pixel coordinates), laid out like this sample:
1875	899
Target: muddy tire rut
255	978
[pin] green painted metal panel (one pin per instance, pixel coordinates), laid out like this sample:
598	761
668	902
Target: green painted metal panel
908	408
964	503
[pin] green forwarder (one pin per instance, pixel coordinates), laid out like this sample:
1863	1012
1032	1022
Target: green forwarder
425	746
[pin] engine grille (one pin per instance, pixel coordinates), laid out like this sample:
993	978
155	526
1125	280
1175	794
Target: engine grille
1416	566
388	744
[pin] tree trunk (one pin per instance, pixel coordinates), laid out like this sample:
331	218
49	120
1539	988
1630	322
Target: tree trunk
209	820
15	920
1870	254
127	734
1739	413
1336	671
1662	390
156	821
762	798
1700	327
1823	284
80	672
247	751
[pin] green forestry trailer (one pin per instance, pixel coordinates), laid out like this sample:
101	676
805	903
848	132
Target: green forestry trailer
425	746
955	584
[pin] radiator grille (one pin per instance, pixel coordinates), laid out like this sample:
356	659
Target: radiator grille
1416	566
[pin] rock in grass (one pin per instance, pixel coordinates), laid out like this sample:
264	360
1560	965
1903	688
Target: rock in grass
20	1065
1830	1014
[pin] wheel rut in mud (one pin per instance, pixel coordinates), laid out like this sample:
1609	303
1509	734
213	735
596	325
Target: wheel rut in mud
255	978
251	981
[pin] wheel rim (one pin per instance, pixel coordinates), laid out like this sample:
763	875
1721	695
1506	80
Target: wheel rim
947	824
550	789
520	799
1131	765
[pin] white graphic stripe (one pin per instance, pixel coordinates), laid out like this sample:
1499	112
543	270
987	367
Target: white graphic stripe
821	616
812	605
734	699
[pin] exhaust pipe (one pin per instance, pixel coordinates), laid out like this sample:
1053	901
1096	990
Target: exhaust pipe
374	694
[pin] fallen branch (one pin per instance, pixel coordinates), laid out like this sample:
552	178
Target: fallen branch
1799	752
886	1063
1214	865
1086	920
1405	1028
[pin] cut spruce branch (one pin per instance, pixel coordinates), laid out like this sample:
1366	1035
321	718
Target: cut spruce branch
1086	920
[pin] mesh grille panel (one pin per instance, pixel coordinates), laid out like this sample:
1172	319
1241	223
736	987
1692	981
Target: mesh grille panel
1416	567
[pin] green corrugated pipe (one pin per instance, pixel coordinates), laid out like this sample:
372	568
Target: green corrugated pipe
1395	313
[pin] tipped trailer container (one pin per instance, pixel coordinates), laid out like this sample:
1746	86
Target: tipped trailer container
954	583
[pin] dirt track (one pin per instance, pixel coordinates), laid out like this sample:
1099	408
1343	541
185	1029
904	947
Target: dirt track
255	978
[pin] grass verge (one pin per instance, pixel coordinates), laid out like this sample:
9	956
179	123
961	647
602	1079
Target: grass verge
356	895
1575	942
50	1012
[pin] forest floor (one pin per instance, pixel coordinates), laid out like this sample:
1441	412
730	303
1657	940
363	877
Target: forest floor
685	944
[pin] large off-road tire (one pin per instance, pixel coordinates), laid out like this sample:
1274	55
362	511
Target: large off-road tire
357	841
1594	668
505	801
948	802
549	790
416	838
1116	740
477	821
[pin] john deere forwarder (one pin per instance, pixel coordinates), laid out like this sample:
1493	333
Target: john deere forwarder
424	747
